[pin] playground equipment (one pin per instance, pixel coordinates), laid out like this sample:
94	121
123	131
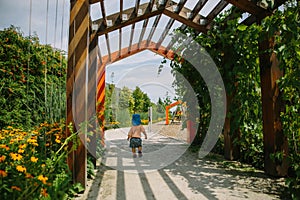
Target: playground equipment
168	108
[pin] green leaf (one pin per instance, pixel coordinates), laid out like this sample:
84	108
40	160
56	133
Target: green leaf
242	27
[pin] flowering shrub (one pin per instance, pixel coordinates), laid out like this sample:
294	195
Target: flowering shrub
33	163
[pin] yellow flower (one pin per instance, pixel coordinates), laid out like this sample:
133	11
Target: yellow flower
21	168
15	188
22	146
3	173
15	156
43	165
2	158
44	192
34	159
43	179
57	141
21	151
31	140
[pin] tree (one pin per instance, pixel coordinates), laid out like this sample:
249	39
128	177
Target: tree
141	100
126	100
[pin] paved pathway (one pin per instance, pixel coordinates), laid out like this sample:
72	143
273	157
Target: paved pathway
168	170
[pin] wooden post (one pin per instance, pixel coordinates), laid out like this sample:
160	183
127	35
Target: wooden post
92	91
76	84
231	150
274	139
101	100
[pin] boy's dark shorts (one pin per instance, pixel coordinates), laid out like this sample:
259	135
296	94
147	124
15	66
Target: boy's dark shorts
135	142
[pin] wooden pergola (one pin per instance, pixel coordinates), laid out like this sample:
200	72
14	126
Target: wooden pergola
86	61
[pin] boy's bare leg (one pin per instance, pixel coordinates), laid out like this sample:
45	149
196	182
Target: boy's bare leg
133	152
140	151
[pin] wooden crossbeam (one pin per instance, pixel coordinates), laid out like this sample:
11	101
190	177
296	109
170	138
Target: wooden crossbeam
117	24
253	19
120	30
197	9
248	6
177	10
185	21
179	6
131	37
135	50
137	4
153	28
220	6
94	1
103	13
143	32
165	32
108	46
99	55
120	41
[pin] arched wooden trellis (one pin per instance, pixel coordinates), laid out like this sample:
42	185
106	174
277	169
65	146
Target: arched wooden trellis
84	58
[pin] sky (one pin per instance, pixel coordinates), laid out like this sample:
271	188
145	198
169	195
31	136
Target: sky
49	20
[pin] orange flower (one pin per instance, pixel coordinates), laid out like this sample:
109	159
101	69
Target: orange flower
4	146
2	158
15	188
44	192
3	173
34	159
21	168
28	175
43	179
15	156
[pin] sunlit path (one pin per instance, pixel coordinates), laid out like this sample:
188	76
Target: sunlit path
122	177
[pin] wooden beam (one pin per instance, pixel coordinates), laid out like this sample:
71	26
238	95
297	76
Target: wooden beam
220	6
103	13
135	50
164	33
92	88
185	21
94	1
120	30
108	45
274	139
179	6
197	9
253	19
143	32
137	4
117	24
177	10
153	28
131	37
76	78
248	6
